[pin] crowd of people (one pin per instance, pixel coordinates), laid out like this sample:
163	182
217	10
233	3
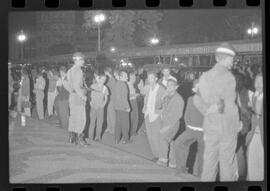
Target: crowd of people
224	115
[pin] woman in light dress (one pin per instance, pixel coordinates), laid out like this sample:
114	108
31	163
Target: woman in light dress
254	139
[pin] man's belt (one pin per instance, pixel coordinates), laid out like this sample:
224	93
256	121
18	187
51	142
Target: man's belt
195	128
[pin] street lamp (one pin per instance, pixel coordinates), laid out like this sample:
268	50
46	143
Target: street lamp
154	41
253	30
112	49
22	38
98	19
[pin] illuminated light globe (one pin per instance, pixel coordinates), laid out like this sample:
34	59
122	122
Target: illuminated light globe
176	59
249	31
255	30
21	37
113	49
129	64
99	18
154	41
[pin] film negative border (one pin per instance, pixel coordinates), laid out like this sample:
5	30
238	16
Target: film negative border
34	5
129	4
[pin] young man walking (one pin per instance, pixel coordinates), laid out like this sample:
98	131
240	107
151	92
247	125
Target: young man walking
98	101
122	109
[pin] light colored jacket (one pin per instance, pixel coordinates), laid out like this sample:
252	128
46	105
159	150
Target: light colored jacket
159	98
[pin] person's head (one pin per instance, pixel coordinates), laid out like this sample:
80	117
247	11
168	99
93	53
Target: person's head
108	71
195	86
39	73
123	76
116	74
166	72
225	54
102	79
259	83
132	78
24	72
78	59
172	86
62	71
152	78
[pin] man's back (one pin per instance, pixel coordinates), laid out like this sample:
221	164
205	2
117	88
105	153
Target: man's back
121	99
218	84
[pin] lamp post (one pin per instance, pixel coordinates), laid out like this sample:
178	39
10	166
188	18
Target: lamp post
253	30
99	19
22	38
154	41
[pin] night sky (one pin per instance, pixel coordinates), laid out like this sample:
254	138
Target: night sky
175	25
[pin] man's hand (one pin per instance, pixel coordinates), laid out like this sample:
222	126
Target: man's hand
240	127
128	110
212	109
84	98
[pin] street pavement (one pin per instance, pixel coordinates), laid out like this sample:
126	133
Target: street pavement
40	153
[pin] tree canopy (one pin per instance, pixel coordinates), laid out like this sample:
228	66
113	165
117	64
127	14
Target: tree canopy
121	27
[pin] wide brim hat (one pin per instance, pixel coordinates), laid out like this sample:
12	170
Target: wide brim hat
226	49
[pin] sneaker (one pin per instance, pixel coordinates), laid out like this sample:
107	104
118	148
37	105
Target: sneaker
172	165
161	163
127	142
83	143
97	139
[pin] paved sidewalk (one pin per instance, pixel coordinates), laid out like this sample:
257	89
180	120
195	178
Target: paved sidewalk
39	153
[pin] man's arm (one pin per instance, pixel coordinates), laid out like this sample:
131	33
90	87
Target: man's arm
125	96
229	92
77	82
200	104
105	96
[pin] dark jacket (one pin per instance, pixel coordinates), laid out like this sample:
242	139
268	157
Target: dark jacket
244	110
193	116
120	101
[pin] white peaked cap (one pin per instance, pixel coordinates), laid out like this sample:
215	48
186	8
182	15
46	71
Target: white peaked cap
226	48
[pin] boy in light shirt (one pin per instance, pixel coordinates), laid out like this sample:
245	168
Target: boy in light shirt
99	99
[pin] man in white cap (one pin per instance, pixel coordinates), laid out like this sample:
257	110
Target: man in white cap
166	72
77	99
221	119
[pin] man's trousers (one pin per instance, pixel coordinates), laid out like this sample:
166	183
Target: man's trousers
255	158
166	144
50	104
220	145
111	118
122	125
62	109
77	118
96	122
39	104
134	117
181	147
153	135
